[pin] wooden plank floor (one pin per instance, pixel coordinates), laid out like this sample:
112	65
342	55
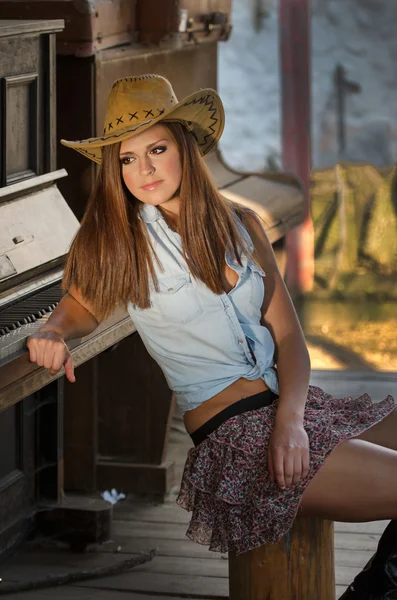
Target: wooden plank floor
181	569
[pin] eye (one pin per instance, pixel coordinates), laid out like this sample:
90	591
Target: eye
127	160
159	150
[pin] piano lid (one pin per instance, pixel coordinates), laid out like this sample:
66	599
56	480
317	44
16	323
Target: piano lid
37	228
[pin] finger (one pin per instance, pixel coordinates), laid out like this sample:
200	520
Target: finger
297	470
39	353
69	369
278	462
48	355
305	463
289	466
32	351
270	465
57	360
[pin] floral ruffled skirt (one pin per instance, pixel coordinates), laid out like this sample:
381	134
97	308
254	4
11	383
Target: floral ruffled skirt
226	484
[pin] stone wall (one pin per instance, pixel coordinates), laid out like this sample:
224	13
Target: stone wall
357	34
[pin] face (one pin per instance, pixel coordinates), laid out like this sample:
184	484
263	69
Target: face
151	166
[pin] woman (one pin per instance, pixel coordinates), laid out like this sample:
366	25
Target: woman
201	284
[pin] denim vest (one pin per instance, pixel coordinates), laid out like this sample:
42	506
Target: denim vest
203	341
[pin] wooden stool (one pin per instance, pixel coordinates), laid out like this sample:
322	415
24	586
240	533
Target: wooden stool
299	567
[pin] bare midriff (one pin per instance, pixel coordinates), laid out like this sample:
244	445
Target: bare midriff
242	388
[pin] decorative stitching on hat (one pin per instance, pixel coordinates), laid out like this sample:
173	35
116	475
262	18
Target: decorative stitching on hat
84	151
149	112
119	120
133	79
110	126
208	100
114	135
133	116
161	111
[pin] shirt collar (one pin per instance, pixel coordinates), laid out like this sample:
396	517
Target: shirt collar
149	213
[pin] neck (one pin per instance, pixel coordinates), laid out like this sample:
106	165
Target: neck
171	208
170	212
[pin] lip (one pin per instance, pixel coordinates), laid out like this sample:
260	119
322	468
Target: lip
152	186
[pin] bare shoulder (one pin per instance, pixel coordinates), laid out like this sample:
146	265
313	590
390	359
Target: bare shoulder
263	248
75	293
278	311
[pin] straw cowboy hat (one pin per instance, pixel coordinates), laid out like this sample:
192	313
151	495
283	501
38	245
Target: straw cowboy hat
136	103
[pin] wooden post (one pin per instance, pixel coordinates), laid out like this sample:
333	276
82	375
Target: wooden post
296	116
299	567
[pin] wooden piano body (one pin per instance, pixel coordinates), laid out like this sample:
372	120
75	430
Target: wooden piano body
36	229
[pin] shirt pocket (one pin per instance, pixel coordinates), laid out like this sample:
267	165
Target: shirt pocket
177	299
257	287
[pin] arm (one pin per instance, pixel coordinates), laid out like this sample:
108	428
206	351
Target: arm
71	318
289	457
279	316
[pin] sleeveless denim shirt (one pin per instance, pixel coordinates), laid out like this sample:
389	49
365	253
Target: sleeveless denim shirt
202	341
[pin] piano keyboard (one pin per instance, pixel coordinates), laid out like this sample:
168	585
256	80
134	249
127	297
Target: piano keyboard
15	341
22	319
30	309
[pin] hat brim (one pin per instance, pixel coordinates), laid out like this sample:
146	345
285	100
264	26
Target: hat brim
201	112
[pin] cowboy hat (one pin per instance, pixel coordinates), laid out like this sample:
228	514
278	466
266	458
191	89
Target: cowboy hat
136	103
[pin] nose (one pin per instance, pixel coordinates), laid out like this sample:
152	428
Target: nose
145	166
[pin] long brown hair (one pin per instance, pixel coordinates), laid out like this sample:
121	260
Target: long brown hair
111	258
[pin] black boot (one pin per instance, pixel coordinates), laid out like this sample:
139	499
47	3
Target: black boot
378	579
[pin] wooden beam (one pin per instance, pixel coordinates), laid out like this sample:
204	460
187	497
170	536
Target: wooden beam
300	566
294	19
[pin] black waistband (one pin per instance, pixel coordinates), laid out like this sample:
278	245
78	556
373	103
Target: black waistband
241	406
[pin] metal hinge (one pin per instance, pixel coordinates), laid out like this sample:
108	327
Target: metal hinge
211	23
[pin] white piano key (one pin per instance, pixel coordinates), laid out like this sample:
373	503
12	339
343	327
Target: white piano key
15	341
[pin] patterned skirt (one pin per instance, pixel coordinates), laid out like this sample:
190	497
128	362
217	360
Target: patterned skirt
226	484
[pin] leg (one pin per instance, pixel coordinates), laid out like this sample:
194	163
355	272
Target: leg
383	433
358	482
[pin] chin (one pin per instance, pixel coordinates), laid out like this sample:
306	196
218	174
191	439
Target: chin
156	198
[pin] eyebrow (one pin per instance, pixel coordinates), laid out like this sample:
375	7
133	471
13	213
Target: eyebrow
147	148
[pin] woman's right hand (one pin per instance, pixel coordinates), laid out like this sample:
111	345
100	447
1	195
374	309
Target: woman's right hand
48	349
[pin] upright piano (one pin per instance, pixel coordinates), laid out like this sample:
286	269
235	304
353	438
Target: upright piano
36	229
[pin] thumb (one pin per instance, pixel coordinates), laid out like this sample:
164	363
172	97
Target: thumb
69	370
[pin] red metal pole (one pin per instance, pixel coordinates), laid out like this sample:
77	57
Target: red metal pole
294	18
